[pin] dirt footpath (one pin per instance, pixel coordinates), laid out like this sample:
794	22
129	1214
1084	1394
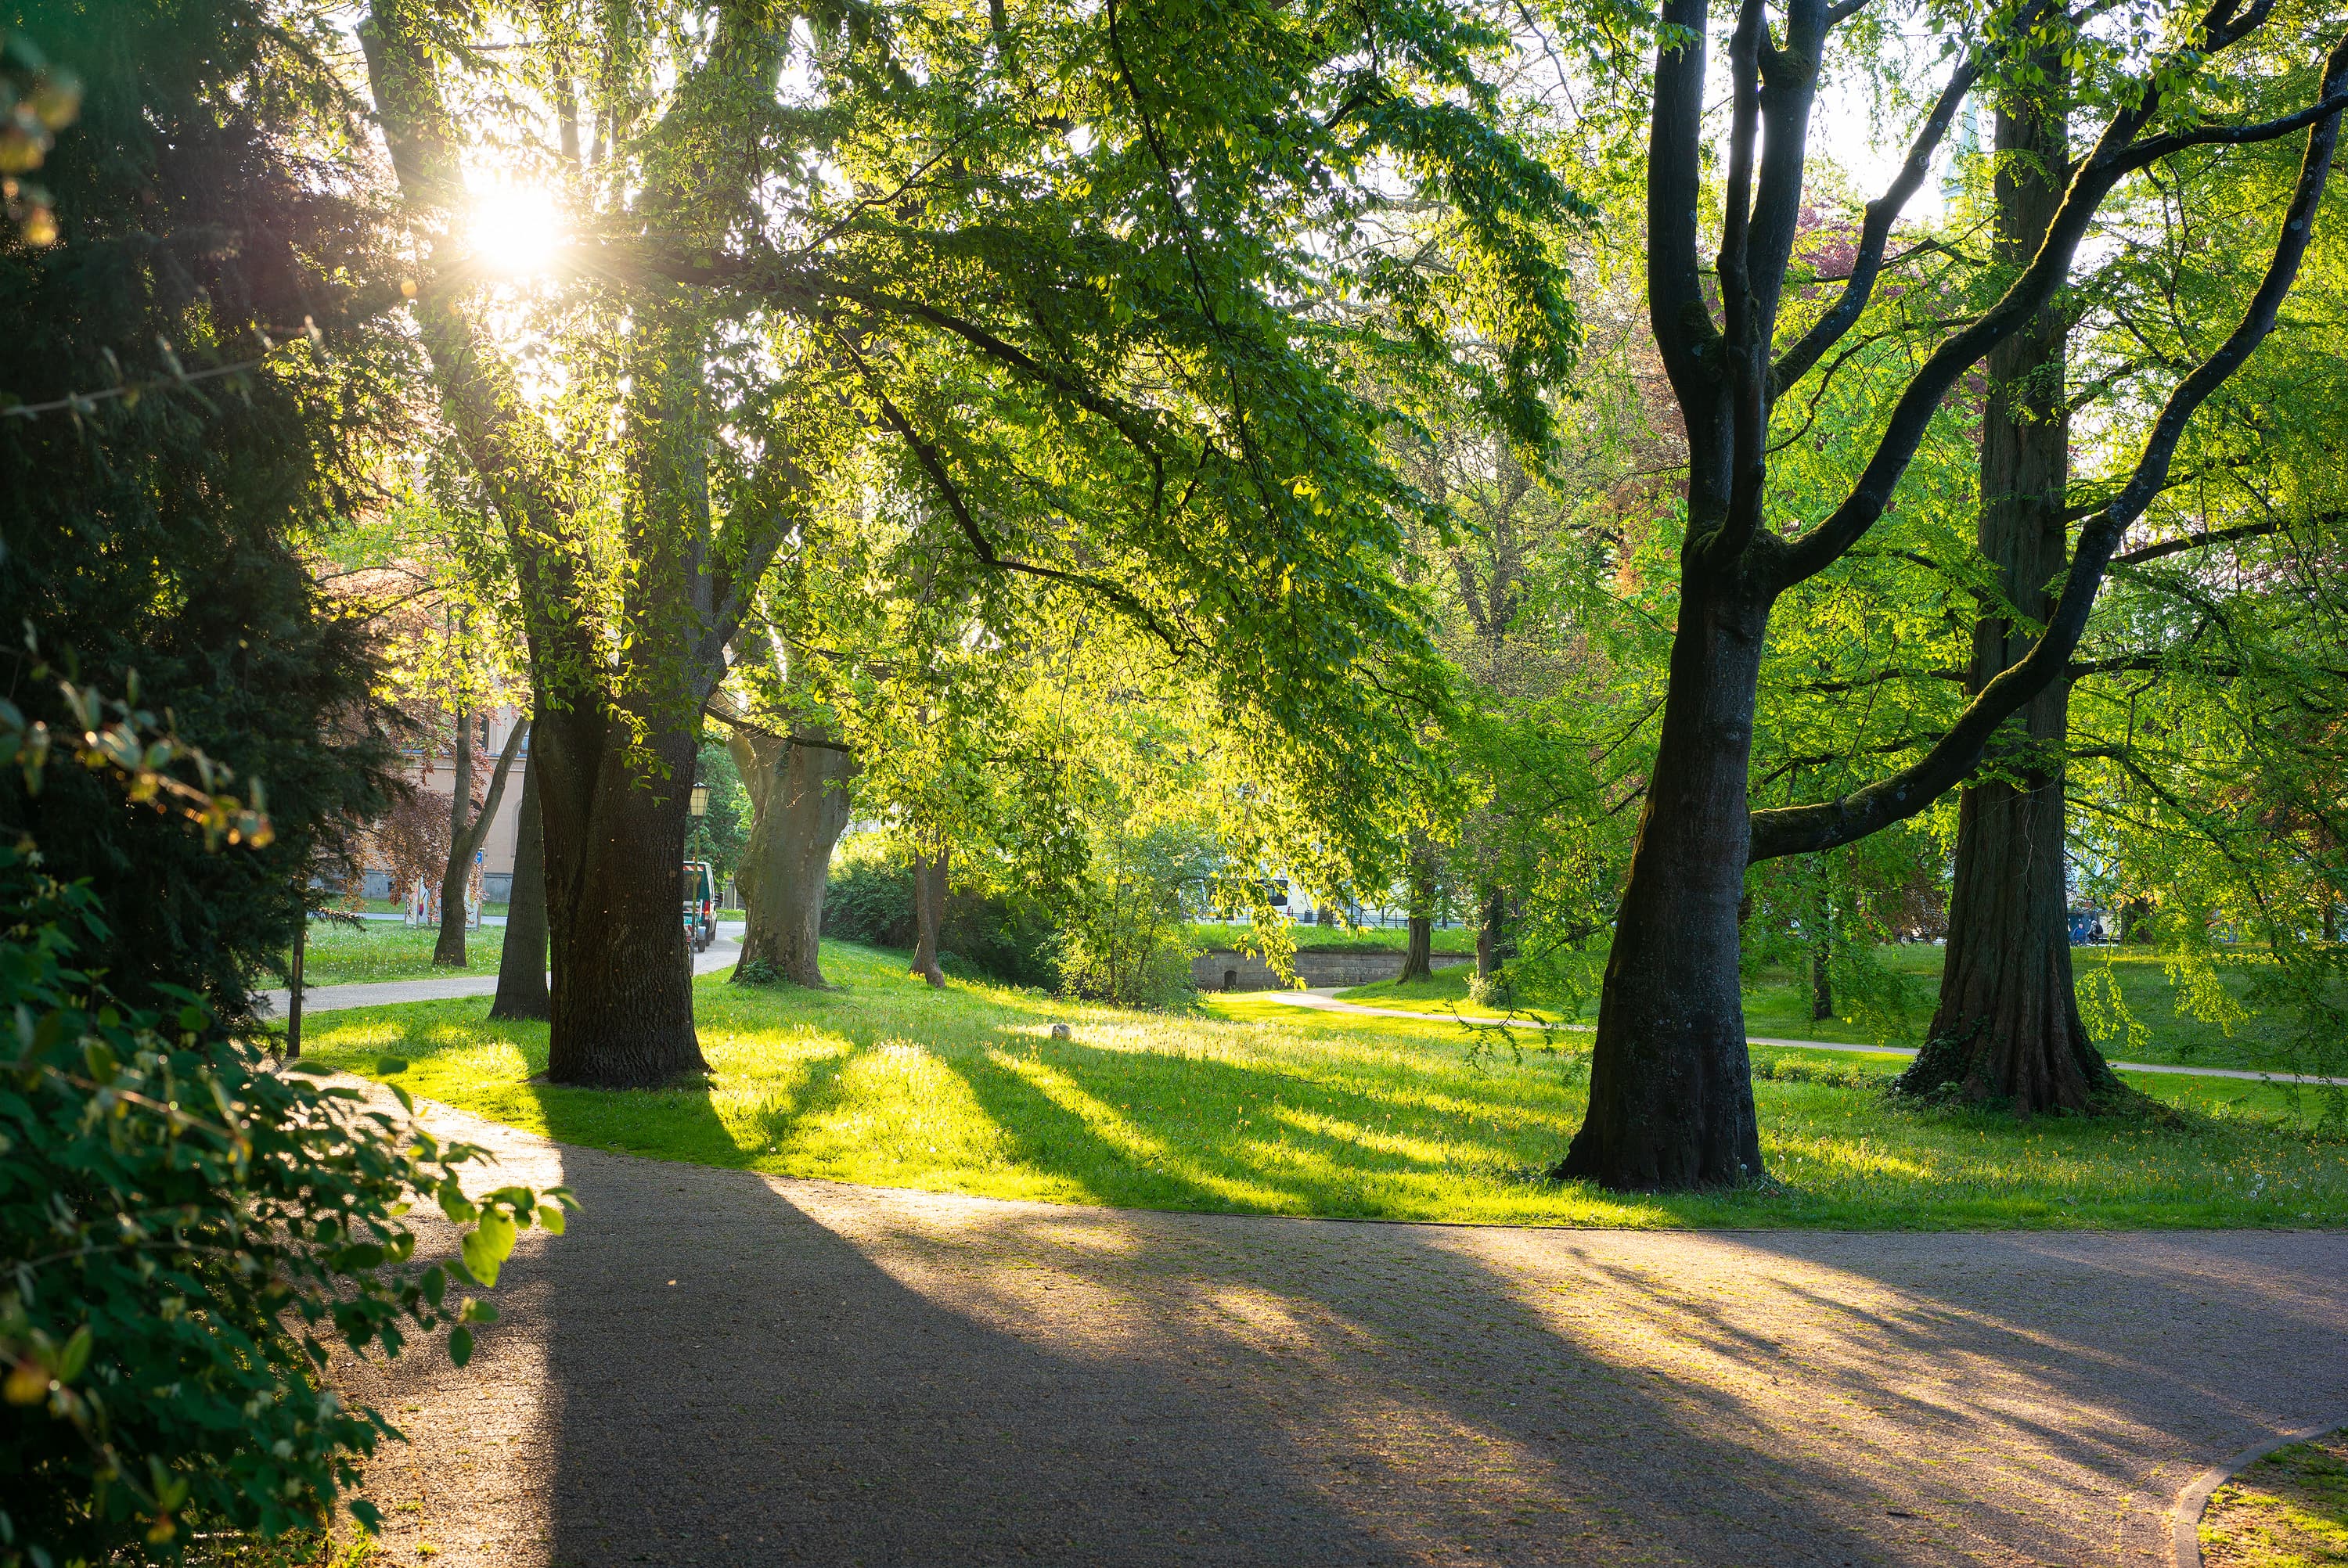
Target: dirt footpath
716	1368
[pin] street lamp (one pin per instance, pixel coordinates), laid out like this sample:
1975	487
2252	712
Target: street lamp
700	807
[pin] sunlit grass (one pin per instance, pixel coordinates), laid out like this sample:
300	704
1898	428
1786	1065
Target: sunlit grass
1779	1007
2287	1511
1257	1107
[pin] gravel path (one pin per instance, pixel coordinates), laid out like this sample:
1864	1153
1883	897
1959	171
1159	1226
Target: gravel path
716	1367
1324	1000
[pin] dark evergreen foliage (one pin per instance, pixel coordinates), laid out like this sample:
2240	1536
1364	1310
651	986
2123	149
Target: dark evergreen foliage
156	537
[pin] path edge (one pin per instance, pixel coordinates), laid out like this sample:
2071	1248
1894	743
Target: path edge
2185	1515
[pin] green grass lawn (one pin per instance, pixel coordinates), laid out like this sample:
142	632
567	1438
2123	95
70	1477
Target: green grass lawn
2287	1511
340	955
1778	1005
1253	1106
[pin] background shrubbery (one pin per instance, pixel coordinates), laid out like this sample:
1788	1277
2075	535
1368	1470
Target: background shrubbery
1009	939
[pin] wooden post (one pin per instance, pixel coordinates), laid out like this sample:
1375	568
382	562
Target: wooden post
293	991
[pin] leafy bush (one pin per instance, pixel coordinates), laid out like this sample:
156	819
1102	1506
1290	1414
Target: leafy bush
1130	939
1009	938
181	1231
869	898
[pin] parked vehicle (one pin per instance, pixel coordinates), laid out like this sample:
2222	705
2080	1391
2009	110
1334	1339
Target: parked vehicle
700	904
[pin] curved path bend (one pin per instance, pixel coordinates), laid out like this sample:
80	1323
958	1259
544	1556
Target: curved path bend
718	1367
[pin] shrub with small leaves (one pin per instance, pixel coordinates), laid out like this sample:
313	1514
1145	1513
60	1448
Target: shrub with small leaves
183	1232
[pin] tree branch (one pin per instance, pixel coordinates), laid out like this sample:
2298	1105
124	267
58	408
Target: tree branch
1802	829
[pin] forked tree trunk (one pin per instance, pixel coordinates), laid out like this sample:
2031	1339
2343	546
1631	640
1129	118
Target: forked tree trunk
449	949
614	829
2007	1027
929	913
800	804
1671	1088
521	962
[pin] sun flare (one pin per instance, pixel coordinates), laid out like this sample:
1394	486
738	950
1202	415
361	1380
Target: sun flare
515	229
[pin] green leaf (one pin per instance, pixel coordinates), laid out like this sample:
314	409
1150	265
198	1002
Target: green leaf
479	1311
102	1063
552	1218
75	1357
369	1516
435	1284
310	1069
460	1346
488	1244
385	1066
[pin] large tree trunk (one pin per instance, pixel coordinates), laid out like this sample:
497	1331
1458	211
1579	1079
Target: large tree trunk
1671	1088
799	798
450	949
929	913
615	837
521	962
2007	1027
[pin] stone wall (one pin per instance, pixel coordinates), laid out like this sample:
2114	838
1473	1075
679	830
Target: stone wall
1229	971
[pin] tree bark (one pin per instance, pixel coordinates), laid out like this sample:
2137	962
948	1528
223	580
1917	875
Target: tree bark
1494	946
929	913
799	805
614	809
521	962
1419	959
2007	1027
1671	1088
449	949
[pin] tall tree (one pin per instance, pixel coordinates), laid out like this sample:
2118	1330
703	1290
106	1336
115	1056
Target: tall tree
2008	1024
1034	266
1671	1099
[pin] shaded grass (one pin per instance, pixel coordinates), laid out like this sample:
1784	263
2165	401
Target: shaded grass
2287	1511
1254	1107
1778	1005
340	955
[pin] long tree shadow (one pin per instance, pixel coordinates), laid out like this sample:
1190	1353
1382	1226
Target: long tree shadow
752	1370
1235	1137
